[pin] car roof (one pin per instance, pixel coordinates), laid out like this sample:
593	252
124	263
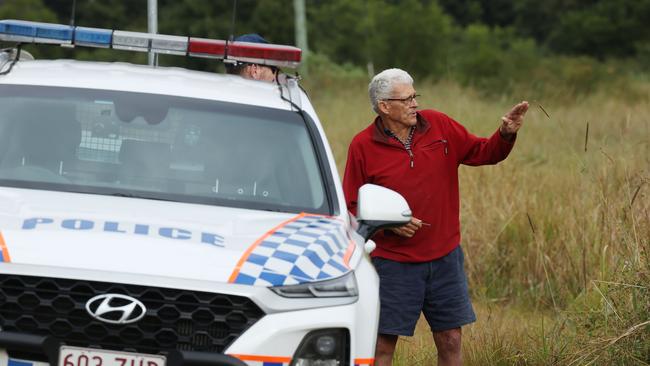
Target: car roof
146	79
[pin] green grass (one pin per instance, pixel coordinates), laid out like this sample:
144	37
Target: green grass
556	237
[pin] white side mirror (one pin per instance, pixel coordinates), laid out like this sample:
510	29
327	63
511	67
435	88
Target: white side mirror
379	208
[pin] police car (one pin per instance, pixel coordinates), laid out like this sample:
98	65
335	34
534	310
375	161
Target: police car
166	217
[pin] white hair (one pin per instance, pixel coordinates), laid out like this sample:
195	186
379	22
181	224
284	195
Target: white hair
381	86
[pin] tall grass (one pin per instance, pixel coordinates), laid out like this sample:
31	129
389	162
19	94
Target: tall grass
557	237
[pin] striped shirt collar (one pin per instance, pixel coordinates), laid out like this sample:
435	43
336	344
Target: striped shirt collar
379	134
409	138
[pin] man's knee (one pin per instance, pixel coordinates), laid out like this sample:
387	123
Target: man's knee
448	341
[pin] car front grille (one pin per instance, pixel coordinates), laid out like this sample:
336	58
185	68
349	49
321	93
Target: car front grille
174	320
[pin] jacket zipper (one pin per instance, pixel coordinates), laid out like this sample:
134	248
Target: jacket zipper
406	146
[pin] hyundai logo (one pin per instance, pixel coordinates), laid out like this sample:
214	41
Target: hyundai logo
115	308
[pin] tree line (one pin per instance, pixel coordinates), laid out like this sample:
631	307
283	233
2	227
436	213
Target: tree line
474	41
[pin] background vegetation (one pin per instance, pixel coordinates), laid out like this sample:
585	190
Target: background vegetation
557	237
494	45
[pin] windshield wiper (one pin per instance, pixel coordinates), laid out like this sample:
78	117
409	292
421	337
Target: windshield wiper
131	195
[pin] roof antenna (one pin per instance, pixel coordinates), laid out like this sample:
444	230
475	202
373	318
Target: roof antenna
232	31
232	24
74	12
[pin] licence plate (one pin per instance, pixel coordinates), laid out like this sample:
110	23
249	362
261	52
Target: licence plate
76	356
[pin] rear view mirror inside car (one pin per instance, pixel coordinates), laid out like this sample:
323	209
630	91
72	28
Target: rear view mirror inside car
128	109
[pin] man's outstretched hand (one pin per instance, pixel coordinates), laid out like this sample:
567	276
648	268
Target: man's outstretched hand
513	120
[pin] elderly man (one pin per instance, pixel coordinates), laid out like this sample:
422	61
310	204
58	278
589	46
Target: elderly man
420	265
250	70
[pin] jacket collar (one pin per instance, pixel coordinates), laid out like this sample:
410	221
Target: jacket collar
379	133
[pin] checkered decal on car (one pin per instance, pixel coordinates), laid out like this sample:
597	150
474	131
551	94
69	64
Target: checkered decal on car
306	248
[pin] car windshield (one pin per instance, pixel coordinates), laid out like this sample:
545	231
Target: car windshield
158	147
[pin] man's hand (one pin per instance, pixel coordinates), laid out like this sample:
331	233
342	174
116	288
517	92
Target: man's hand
409	229
512	120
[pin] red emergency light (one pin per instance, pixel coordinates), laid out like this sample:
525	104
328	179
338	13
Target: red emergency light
211	48
266	54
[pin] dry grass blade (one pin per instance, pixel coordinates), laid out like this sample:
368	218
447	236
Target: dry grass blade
628	332
543	110
636	193
620	284
607	156
586	136
530	222
609	304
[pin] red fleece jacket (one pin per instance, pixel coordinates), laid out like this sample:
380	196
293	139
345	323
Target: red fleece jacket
428	179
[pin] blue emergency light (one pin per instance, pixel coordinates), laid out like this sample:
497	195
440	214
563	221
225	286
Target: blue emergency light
19	28
25	31
36	32
15	30
93	37
54	32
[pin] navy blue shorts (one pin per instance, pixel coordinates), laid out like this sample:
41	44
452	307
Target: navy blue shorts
437	288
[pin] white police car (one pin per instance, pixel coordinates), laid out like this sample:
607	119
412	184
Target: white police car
167	217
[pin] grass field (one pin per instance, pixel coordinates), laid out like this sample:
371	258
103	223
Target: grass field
557	237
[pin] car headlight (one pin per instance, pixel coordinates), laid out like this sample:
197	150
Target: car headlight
344	286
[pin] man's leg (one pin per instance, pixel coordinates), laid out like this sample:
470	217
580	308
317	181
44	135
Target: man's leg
385	349
448	344
448	306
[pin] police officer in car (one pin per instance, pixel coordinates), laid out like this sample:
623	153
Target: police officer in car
251	70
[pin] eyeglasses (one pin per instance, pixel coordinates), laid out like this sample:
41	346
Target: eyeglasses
407	100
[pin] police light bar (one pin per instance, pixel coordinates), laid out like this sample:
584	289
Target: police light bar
37	32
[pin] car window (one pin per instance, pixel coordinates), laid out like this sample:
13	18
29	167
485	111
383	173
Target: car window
160	147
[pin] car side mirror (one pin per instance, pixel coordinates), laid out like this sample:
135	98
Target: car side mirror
380	208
